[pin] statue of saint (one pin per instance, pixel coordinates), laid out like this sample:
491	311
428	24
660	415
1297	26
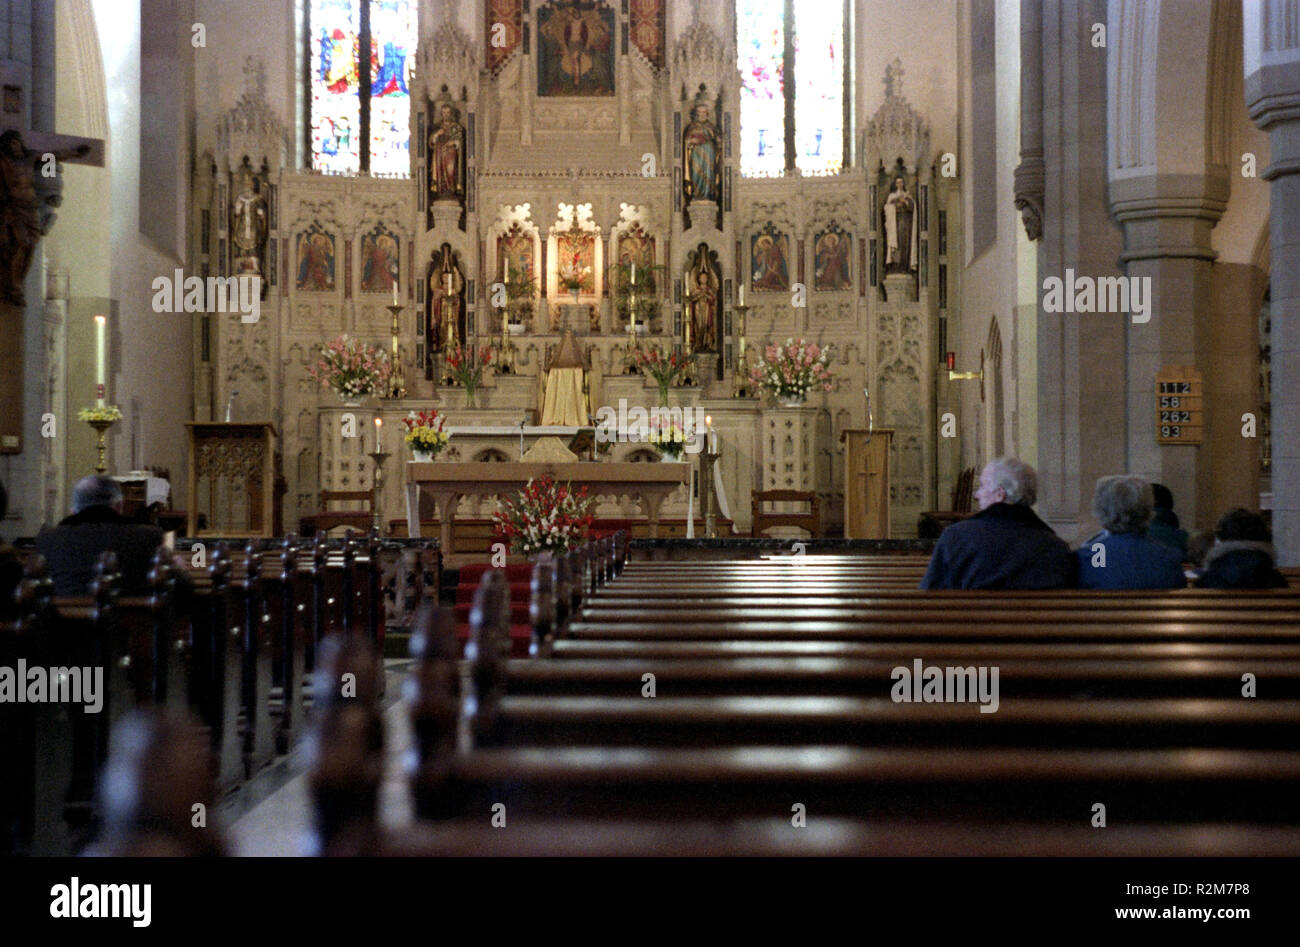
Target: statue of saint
446	295
447	157
700	150
704	303
900	229
248	225
20	223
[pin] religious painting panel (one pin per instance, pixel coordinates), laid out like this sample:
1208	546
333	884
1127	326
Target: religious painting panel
575	253
505	25
831	255
515	256
380	259
647	25
769	256
575	49
315	254
335	86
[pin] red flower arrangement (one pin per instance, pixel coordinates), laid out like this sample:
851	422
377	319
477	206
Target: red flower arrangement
664	368
543	517
468	364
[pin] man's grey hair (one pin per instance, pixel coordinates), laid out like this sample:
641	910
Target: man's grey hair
1016	478
95	491
1123	504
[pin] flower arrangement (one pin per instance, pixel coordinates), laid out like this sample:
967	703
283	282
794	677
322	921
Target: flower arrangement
664	368
543	517
467	365
574	276
424	432
107	414
667	436
791	371
352	368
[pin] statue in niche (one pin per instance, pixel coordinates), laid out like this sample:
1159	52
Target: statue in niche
248	222
703	281
447	156
701	177
20	223
446	301
900	228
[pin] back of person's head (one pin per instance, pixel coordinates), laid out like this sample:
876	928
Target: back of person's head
96	490
1242	525
1199	545
1016	479
1122	504
1164	497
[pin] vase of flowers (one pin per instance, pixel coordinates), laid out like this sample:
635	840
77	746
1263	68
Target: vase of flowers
425	434
667	436
466	366
791	371
352	369
664	367
543	517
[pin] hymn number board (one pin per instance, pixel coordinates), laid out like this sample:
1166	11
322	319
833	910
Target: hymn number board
1179	411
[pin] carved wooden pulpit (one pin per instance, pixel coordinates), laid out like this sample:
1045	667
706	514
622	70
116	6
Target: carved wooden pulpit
232	467
866	483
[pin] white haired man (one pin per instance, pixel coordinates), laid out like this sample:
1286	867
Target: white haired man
1005	545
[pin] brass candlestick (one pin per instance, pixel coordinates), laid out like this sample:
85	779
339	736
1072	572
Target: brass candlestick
708	497
742	387
378	457
397	384
101	428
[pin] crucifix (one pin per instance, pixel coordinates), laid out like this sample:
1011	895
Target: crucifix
30	189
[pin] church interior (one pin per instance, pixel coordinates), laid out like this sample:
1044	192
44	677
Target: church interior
619	396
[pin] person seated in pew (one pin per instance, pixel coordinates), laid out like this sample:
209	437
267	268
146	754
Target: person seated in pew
1199	545
11	567
1124	555
1005	545
1164	527
1242	555
97	526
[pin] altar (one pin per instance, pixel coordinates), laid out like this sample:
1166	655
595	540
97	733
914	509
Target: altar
447	483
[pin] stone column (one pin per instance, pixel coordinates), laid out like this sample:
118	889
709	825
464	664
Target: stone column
1272	62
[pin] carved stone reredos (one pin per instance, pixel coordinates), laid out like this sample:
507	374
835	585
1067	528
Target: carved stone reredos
252	127
446	57
896	130
702	56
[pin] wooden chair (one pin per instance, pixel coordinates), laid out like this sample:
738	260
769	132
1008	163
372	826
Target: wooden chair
934	522
326	519
811	521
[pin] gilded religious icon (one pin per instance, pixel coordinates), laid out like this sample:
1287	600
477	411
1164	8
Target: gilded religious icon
635	247
576	261
248	222
831	260
379	261
20	222
447	156
315	261
899	217
704	299
515	251
575	49
446	300
700	176
769	253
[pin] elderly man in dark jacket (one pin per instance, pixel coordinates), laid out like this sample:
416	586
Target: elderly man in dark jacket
1124	555
1242	555
1005	545
97	526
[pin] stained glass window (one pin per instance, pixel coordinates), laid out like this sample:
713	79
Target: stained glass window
760	44
344	97
817	60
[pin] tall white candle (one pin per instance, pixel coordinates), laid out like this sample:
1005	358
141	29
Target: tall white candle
742	294
394	291
101	383
379	424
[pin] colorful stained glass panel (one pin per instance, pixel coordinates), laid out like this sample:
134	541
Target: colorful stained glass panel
760	46
819	86
392	58
335	87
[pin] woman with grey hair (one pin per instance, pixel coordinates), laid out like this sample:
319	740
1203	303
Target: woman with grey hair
1122	555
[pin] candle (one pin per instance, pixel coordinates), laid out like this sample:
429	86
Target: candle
446	282
379	424
101	385
952	360
394	291
742	294
632	281
713	435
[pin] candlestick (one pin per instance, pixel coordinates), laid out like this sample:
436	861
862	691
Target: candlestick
379	424
101	385
742	294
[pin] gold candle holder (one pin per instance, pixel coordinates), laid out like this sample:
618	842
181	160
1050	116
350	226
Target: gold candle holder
101	428
741	385
378	457
397	384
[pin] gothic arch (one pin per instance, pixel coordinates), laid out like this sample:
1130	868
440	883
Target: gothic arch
995	442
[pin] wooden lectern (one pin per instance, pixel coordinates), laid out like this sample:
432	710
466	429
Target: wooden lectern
866	483
243	455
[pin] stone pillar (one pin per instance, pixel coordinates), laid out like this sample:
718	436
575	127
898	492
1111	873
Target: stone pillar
1272	63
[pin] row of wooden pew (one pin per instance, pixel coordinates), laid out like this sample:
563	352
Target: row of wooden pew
225	633
1127	723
